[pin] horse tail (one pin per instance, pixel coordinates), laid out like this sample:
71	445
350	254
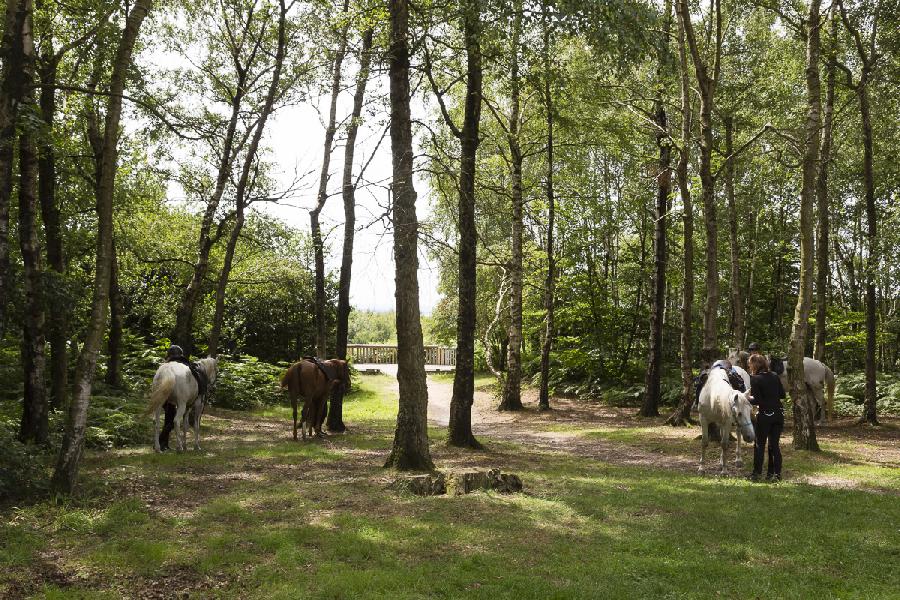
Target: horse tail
291	379
161	390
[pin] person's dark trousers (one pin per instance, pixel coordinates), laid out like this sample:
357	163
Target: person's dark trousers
768	431
168	425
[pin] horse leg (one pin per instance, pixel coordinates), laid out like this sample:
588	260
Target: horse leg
198	410
322	406
186	426
294	410
704	428
818	392
179	418
725	430
156	447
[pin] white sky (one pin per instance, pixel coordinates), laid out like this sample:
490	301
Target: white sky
293	141
296	137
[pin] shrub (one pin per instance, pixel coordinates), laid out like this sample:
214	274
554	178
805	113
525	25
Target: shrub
246	383
22	467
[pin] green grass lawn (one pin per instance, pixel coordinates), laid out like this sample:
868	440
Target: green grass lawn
256	515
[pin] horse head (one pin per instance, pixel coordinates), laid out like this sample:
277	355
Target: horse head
210	368
342	375
740	411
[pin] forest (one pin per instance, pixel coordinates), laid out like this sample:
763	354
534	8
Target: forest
612	195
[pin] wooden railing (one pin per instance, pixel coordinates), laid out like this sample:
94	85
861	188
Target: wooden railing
378	354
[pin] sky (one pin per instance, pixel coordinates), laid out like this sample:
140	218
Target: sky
293	141
296	137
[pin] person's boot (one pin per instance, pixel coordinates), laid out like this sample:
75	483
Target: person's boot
773	477
754	477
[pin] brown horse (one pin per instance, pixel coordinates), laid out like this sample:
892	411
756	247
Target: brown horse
305	378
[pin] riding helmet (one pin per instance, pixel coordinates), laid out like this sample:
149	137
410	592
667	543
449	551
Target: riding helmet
753	347
174	352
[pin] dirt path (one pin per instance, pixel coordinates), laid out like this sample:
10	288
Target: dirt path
615	435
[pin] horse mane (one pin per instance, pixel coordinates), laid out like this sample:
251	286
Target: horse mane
210	366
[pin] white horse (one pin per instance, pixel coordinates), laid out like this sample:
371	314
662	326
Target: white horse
819	379
723	405
175	383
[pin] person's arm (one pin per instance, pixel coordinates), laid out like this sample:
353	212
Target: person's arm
754	391
781	394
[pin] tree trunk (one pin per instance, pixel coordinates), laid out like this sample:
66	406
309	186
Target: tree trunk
315	227
336	409
222	284
11	92
241	190
650	407
460	427
867	58
58	300
657	302
823	268
550	283
410	450
512	389
870	405
66	473
804	425
707	83
737	301
682	415
114	361
34	426
184	314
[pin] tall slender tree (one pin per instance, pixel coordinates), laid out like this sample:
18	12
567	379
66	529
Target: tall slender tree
512	389
650	406
682	414
867	55
550	281
322	196
804	426
736	289
410	449
823	222
348	193
244	181
238	33
12	73
460	429
707	76
106	160
34	425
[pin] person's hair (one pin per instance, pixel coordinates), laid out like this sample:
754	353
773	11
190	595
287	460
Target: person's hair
758	364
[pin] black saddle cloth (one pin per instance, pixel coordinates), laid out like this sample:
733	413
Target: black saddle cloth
327	370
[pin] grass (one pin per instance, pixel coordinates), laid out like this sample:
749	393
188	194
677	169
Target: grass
256	515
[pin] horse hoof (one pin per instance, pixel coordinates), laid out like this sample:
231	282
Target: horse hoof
701	471
738	463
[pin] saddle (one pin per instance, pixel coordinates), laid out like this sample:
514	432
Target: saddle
327	370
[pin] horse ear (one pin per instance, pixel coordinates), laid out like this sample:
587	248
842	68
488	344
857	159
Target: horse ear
735	399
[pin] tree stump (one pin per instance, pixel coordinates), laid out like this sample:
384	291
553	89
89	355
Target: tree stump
432	484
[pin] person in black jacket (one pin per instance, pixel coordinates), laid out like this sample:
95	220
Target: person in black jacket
766	393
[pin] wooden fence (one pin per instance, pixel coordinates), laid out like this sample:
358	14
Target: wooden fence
378	354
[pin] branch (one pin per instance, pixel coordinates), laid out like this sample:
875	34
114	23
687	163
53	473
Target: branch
744	146
142	103
440	95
